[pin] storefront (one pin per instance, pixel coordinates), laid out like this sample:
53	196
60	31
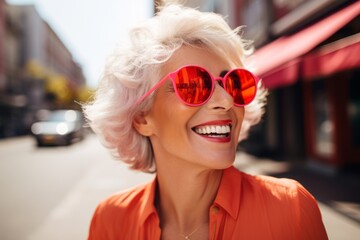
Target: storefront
314	79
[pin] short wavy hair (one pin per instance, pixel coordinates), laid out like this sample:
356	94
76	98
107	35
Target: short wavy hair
133	69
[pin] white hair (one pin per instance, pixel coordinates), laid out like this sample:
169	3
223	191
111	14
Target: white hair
133	69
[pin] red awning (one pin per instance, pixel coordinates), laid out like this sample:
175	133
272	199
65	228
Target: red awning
334	57
284	75
272	61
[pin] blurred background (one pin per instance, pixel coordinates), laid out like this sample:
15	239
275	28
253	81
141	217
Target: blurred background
53	171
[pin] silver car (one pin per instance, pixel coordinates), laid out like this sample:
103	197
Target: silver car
58	127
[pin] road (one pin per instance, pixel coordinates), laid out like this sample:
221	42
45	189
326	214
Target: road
50	193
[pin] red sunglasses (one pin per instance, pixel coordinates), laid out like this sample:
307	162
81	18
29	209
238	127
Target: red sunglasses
194	85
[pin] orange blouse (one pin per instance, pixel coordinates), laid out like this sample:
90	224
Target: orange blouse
246	207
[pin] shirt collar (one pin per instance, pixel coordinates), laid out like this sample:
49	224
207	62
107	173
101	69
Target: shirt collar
228	196
147	202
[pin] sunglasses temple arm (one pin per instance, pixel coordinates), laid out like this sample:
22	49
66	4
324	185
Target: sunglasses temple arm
142	98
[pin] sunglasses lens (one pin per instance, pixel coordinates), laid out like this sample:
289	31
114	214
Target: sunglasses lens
241	85
193	85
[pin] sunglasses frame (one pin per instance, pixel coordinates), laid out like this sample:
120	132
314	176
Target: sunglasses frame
172	76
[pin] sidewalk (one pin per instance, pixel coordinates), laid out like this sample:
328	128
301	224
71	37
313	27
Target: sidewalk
338	194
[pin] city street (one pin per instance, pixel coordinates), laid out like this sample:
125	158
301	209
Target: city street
50	193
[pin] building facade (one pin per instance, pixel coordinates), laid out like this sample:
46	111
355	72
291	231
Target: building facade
37	69
309	63
2	43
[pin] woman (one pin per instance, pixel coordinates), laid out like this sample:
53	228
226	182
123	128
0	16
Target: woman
176	101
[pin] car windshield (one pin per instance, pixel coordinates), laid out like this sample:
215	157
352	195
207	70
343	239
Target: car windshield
61	116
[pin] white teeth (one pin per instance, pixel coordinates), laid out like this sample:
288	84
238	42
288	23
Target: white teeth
219	129
207	130
225	129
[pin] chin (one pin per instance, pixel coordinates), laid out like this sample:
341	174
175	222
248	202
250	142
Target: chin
222	163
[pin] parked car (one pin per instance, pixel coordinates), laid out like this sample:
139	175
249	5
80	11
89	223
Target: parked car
58	127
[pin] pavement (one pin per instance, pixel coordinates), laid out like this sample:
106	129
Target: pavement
337	192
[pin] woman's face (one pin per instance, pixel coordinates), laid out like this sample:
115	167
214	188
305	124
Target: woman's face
175	130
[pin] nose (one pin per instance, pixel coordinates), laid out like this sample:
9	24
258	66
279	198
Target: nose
220	99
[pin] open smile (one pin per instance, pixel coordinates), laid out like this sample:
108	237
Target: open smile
215	130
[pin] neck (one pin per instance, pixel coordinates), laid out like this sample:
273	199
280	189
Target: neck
185	196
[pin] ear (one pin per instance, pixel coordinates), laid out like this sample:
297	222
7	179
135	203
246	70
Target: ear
142	124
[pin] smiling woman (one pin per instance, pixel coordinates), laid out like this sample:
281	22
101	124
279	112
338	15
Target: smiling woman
176	102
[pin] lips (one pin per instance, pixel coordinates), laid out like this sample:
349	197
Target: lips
215	129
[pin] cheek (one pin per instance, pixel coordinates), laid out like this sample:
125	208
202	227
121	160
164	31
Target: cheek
240	113
171	117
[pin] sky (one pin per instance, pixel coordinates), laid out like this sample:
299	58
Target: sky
90	29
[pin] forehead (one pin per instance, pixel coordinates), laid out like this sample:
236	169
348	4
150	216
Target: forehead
199	56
